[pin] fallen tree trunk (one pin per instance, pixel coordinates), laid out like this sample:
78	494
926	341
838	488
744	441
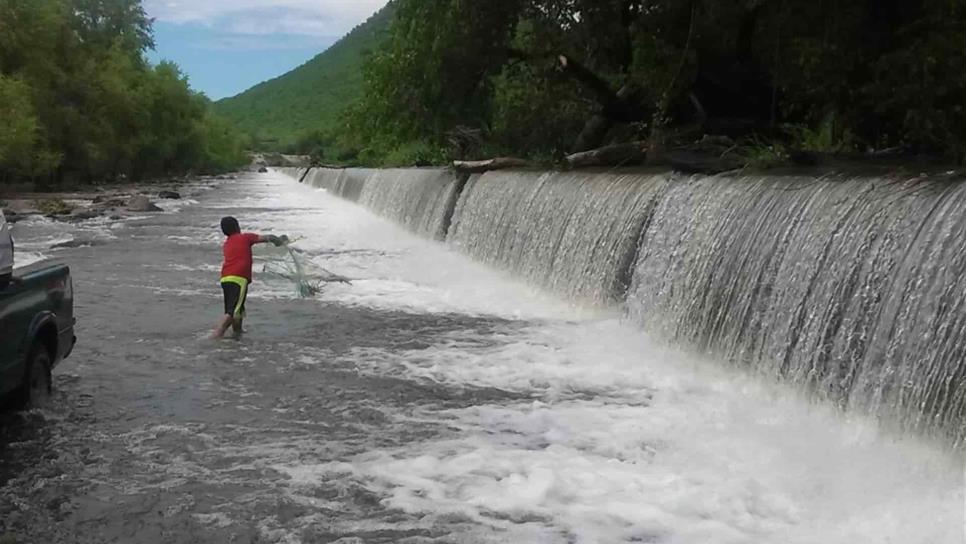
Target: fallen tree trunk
624	105
497	163
612	155
693	162
594	132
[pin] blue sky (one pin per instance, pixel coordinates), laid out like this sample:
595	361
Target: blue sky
226	46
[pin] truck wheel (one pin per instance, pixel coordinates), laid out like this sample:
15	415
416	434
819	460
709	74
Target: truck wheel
36	388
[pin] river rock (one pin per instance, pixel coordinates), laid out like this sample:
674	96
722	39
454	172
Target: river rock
141	203
75	244
170	195
84	214
263	170
112	203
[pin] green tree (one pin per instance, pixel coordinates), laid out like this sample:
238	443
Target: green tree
102	24
22	152
434	72
85	104
548	76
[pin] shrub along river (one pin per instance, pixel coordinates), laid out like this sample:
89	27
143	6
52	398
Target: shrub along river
532	378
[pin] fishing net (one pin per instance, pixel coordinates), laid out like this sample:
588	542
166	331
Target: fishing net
288	262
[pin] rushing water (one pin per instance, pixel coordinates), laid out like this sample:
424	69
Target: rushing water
718	424
419	199
434	400
344	183
415	199
855	288
574	233
850	288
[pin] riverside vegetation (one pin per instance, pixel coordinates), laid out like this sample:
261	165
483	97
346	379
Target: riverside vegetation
544	78
79	102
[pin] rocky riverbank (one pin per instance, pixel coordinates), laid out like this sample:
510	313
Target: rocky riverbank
89	202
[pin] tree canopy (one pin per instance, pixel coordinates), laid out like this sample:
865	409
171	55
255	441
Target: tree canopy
546	77
84	104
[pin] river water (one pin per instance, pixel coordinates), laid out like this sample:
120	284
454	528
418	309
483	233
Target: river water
434	400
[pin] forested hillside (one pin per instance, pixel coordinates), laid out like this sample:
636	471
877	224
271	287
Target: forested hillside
310	98
543	78
80	102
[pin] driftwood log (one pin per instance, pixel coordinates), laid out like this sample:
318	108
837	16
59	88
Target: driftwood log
497	163
693	162
612	155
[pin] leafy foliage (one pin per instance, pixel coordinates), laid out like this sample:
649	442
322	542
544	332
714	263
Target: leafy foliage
83	103
54	206
762	156
424	82
827	138
21	149
540	77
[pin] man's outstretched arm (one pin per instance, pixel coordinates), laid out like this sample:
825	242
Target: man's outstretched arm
272	239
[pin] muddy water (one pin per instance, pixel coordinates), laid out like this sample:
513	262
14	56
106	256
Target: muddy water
432	401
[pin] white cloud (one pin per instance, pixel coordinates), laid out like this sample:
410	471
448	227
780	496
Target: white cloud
267	17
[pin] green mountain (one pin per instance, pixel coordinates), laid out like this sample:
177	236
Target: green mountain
311	96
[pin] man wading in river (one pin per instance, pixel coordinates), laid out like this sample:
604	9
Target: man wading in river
236	273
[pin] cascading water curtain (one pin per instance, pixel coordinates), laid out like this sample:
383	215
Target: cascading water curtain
853	288
575	234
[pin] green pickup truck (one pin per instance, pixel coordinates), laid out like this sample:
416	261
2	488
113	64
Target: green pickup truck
36	330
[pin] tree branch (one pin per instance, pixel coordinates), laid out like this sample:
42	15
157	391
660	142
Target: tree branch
607	97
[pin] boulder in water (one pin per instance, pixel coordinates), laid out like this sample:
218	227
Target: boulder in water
111	203
12	216
263	170
169	195
75	244
141	203
83	214
55	207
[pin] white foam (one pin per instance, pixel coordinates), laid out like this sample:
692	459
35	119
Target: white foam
174	205
37	236
622	440
27	258
630	441
396	269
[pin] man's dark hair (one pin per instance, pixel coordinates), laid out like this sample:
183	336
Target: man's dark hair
229	225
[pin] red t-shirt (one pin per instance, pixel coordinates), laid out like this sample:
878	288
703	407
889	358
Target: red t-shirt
238	255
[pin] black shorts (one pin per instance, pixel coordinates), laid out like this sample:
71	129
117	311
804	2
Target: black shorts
235	289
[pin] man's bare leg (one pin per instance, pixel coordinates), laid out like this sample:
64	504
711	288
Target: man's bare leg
236	326
226	321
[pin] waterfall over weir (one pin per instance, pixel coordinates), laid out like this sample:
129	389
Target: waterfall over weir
419	199
416	199
347	183
573	233
854	289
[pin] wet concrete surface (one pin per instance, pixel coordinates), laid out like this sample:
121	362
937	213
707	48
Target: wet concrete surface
159	435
